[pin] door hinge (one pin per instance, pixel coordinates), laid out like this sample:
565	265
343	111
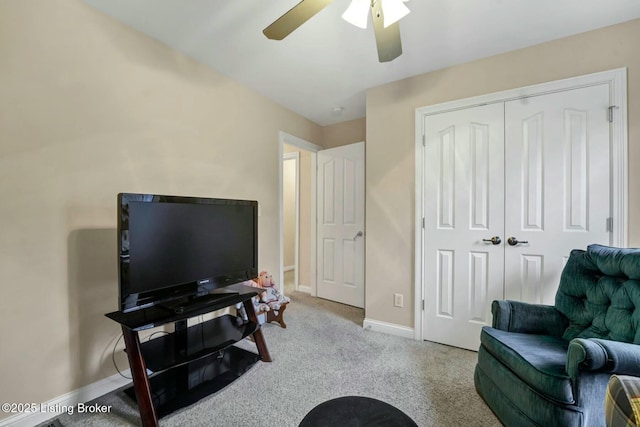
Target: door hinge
422	222
611	108
609	224
422	305
424	140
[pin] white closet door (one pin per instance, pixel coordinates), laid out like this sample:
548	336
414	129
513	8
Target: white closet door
557	188
534	170
464	208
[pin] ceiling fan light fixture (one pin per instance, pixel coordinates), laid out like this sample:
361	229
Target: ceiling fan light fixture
358	13
393	11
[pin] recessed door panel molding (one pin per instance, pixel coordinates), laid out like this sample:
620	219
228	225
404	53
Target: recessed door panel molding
576	202
532	173
329	256
479	149
349	192
445	277
478	286
446	179
329	193
349	266
531	272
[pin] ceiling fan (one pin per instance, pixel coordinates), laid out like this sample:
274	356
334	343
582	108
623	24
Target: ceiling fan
385	14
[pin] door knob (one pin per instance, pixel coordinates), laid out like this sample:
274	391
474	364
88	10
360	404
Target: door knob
358	234
513	241
495	240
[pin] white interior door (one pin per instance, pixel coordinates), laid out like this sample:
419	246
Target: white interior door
464	210
340	234
558	188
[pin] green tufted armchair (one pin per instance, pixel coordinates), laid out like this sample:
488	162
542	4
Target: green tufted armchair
550	365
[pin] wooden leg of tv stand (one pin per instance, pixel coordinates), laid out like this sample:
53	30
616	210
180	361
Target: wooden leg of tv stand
258	337
140	379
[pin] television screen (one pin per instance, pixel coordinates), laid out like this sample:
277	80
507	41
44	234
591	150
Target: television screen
175	247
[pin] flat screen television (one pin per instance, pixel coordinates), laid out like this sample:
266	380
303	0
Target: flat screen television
180	248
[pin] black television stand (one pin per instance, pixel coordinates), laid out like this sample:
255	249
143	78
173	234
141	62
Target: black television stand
180	368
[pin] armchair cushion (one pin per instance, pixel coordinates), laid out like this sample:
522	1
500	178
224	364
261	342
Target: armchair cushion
539	360
599	292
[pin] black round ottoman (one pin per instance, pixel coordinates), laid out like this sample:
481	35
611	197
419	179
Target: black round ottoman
356	411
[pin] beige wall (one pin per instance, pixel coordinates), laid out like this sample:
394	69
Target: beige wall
391	144
344	133
89	108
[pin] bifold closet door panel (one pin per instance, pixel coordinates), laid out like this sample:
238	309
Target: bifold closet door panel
557	194
464	210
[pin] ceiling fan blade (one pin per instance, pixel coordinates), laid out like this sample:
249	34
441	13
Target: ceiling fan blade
387	39
295	17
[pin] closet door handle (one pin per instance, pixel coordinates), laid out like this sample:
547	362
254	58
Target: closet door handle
513	241
495	240
358	234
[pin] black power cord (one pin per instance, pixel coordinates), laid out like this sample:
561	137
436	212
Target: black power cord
113	358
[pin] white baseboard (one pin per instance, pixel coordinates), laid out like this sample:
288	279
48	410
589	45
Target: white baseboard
388	328
67	402
306	289
288	268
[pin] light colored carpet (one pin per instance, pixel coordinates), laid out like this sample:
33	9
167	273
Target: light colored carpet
325	353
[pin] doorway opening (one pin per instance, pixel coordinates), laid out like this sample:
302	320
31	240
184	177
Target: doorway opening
297	204
291	218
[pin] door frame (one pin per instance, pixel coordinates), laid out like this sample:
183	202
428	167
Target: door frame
285	138
617	81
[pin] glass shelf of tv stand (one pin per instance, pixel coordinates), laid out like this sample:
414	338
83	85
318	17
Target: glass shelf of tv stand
177	388
184	369
200	340
152	317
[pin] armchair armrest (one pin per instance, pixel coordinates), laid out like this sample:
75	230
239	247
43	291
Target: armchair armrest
522	317
594	354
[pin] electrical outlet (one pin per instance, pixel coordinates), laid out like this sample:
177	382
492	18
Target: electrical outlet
398	300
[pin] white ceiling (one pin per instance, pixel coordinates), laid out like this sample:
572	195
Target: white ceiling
329	63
